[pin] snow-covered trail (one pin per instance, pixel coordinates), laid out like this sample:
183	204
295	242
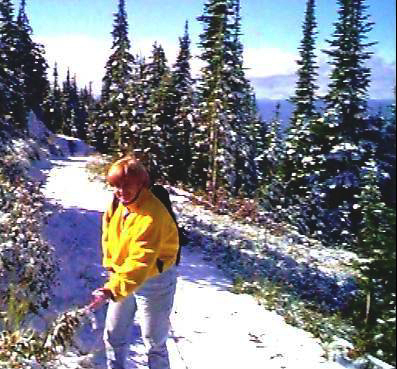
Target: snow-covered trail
212	328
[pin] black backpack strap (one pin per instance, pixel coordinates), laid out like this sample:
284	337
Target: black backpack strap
115	203
162	194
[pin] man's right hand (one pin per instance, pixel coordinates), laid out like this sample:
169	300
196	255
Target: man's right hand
100	297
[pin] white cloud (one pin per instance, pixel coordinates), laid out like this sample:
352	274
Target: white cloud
267	61
85	56
273	74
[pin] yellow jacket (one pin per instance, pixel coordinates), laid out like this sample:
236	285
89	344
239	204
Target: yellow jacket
132	246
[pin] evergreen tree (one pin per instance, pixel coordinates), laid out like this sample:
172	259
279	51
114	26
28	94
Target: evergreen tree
68	107
338	145
217	161
294	171
179	141
272	159
53	114
379	137
114	98
80	114
274	145
158	115
138	92
223	157
99	133
30	56
256	166
5	82
12	93
86	105
389	154
4	85
89	101
305	91
350	76
241	102
376	247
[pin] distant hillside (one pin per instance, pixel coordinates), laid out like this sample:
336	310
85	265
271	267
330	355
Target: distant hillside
267	108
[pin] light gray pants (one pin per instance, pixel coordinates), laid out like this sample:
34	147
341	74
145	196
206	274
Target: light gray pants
154	301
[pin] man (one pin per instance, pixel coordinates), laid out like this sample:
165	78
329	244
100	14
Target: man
140	245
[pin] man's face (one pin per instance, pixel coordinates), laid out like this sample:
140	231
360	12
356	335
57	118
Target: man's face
127	189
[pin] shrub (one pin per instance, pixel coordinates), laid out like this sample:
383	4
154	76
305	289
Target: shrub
27	265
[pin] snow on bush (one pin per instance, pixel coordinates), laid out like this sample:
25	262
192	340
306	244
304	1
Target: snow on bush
26	261
254	253
27	264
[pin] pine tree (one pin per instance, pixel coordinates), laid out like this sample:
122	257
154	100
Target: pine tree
183	110
305	91
5	18
114	97
12	94
389	155
6	34
274	146
379	137
226	153
158	115
272	159
86	105
386	155
213	91
338	148
376	248
4	85
350	76
255	132
138	93
298	156
81	115
221	86
53	113
68	107
241	102
34	66
89	102
99	134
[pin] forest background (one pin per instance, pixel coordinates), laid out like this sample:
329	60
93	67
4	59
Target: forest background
329	172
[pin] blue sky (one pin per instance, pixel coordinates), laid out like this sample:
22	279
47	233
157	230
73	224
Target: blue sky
76	34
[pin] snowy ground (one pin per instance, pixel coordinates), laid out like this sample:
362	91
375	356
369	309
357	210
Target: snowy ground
212	328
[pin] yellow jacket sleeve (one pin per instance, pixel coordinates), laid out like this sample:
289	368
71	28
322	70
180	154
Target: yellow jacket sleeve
105	236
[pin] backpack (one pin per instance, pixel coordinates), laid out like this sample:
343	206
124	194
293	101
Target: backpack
162	194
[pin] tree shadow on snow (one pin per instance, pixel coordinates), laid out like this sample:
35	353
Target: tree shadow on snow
306	281
75	235
196	269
